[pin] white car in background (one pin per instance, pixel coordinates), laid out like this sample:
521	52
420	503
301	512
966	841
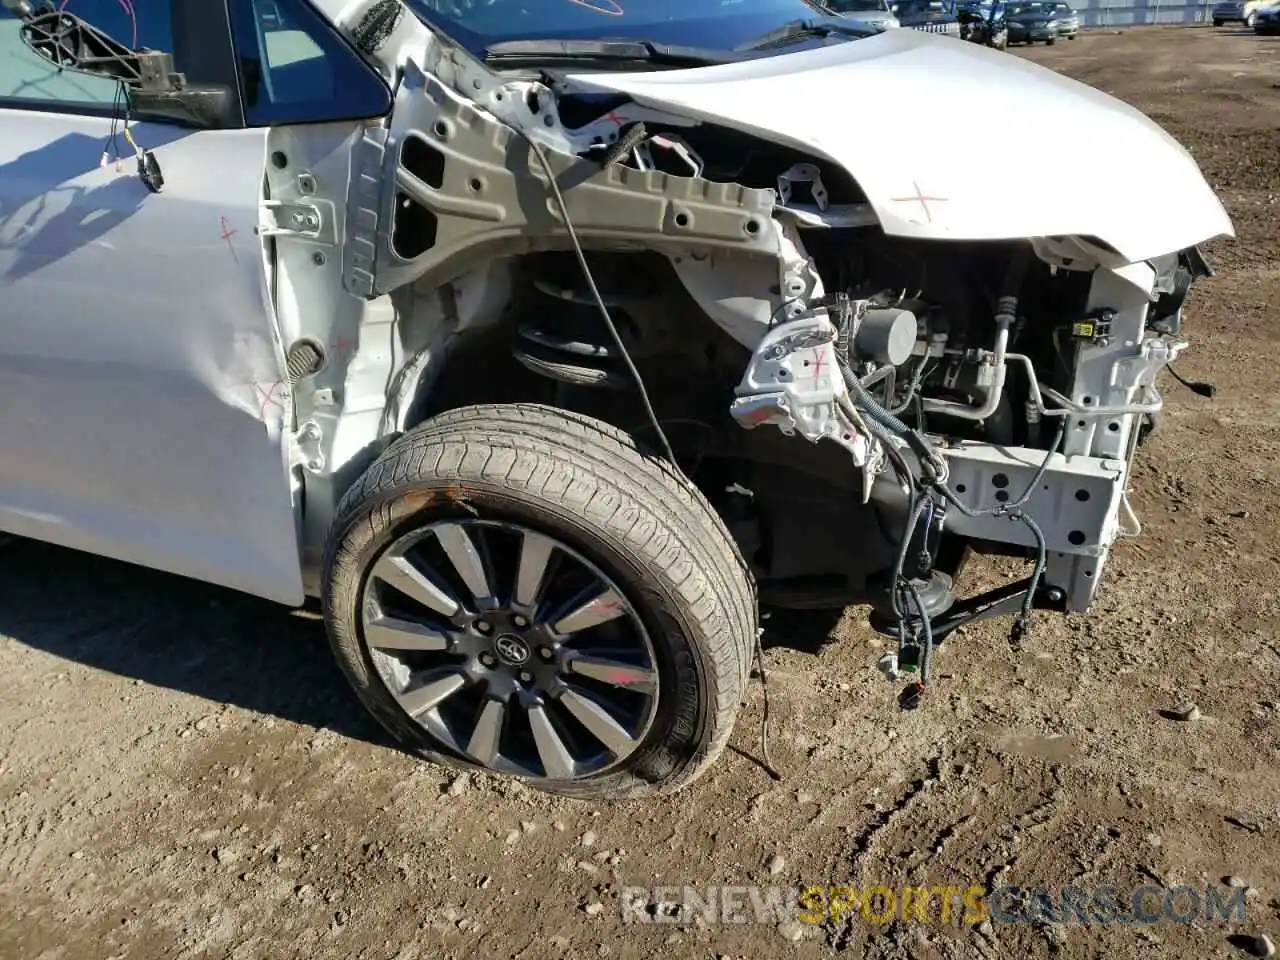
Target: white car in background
873	13
1237	11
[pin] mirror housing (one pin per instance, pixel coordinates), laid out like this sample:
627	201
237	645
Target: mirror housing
205	107
70	43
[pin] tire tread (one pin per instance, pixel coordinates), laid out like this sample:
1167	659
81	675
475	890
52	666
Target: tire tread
587	469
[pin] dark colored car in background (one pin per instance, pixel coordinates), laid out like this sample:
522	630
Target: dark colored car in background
1266	21
932	16
1033	21
1236	11
983	21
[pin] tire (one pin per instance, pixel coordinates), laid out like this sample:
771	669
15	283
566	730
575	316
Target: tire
1217	23
628	515
1049	43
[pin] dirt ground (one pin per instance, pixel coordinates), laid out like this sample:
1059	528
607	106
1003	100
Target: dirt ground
184	774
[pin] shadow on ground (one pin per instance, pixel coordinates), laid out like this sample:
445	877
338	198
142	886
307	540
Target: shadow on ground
806	631
177	633
223	646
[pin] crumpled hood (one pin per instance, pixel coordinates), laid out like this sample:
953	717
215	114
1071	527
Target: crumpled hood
1043	155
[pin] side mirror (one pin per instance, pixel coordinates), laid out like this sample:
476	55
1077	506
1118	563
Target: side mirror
70	43
205	107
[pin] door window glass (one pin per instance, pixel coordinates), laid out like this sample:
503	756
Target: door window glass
296	68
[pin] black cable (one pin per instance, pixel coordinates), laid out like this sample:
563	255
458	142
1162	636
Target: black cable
1014	512
600	304
923	369
764	718
648	406
926	629
112	144
1195	386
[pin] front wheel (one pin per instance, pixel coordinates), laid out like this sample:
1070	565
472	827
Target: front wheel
1217	23
1049	43
522	590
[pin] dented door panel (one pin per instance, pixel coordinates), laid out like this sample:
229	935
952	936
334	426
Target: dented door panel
146	406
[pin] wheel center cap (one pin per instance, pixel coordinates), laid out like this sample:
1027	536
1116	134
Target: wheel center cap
512	649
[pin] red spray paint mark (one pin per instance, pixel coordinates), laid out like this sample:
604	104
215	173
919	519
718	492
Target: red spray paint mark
921	199
226	235
269	397
818	359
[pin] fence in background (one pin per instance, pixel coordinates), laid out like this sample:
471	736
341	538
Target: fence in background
1103	13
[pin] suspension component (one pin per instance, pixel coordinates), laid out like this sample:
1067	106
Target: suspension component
571	344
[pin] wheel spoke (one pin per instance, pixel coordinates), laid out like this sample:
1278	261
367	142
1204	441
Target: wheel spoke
483	745
398	572
590	688
599	722
615	673
600	609
464	556
391	633
535	553
431	695
556	761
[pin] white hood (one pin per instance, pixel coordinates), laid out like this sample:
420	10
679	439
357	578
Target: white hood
951	140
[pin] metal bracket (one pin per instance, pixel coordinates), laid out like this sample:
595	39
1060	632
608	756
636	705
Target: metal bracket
793	382
1000	602
305	448
312	220
802	173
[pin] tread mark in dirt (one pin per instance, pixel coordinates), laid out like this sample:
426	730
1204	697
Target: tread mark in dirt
841	934
945	836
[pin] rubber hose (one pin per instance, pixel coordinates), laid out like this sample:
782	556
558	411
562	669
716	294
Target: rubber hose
872	408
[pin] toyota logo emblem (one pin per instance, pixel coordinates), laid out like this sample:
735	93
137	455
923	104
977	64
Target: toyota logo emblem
512	649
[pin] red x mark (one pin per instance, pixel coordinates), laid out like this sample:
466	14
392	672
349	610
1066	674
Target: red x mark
921	199
818	360
269	398
226	235
612	117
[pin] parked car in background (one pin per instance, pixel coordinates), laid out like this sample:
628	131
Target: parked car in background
873	13
931	16
983	21
1237	11
1267	20
1033	21
1068	20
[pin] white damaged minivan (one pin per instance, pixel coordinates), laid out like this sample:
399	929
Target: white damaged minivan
545	342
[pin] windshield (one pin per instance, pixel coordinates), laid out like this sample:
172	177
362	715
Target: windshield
859	6
1044	9
716	24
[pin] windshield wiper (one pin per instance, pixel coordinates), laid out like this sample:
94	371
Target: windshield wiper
534	52
798	30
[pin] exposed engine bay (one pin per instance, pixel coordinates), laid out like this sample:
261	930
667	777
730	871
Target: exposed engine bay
864	410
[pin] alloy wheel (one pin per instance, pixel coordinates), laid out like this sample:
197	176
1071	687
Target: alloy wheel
510	648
